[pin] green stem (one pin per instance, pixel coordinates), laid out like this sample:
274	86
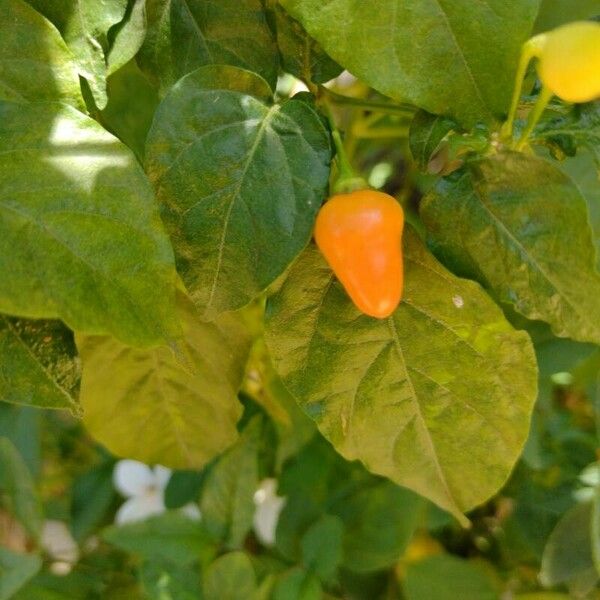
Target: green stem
348	180
531	50
381	133
384	107
534	116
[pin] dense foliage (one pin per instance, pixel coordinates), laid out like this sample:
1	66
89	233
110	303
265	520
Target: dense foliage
190	404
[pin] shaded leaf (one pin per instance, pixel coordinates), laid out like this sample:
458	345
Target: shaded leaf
184	35
434	54
558	12
520	226
171	537
230	577
176	406
35	63
568	554
426	133
127	37
18	489
163	580
322	546
446	577
38	364
300	54
414	395
80	237
240	182
297	584
227	502
15	571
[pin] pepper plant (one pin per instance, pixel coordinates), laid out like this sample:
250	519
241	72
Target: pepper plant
417	388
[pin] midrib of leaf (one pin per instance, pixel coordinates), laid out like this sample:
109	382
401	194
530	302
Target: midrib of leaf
169	409
418	412
200	32
235	195
531	260
29	351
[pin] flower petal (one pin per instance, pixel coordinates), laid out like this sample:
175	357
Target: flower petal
268	508
140	508
161	476
132	478
58	542
191	511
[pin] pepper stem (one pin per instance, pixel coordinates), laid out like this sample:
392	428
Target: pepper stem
347	180
534	116
531	49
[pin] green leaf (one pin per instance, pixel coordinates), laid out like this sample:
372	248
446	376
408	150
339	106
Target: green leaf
520	226
435	54
18	489
39	364
176	406
80	237
300	54
127	37
322	547
21	425
379	522
230	577
184	35
297	584
240	182
446	577
183	487
84	24
426	133
557	12
92	495
411	396
35	63
15	571
579	129
163	581
227	502
132	102
568	556
171	537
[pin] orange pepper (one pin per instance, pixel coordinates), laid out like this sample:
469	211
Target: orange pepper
360	235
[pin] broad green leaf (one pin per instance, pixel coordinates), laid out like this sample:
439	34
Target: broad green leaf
39	364
184	35
15	571
35	63
568	554
520	226
92	494
84	25
322	546
446	577
379	522
80	237
230	577
18	489
227	502
414	395
300	54
240	182
557	12
176	406
132	102
127	37
456	58
172	537
184	487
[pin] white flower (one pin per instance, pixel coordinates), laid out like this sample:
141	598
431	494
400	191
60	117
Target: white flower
590	479
144	489
268	508
58	543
